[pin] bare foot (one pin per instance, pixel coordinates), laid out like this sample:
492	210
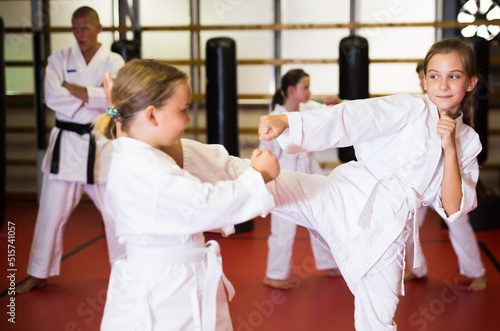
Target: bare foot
335	272
280	284
477	284
409	276
30	284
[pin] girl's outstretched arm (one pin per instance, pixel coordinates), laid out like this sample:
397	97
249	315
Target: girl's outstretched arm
451	187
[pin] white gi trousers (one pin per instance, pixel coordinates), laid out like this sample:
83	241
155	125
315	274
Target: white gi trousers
58	200
376	294
464	242
193	299
280	243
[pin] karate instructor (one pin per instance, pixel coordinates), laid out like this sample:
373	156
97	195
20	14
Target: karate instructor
75	160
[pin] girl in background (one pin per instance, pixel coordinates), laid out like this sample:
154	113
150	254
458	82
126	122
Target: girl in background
292	96
169	279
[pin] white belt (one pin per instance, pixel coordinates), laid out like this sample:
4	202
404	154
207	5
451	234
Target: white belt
214	275
393	183
412	195
188	254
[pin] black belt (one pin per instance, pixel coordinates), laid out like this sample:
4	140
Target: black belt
81	129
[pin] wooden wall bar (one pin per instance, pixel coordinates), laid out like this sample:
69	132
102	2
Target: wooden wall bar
274	27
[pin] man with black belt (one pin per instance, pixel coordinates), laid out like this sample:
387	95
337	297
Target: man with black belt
75	160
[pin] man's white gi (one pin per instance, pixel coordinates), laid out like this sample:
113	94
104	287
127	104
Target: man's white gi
169	279
61	192
364	210
282	238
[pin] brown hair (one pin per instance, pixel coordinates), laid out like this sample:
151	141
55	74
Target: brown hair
86	12
468	58
420	66
291	78
139	84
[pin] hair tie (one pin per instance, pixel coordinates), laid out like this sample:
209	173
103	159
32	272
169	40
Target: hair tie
283	94
113	112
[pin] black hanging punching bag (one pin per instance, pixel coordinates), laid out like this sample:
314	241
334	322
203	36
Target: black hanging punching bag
222	100
353	78
487	214
221	94
128	49
481	102
3	112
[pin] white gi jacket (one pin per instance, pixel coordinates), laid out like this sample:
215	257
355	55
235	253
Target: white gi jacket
362	207
303	162
161	211
68	65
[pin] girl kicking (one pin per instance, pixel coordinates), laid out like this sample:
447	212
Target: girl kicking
412	151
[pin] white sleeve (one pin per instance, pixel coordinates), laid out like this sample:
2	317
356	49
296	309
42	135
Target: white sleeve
469	171
97	98
96	94
211	163
198	207
348	123
273	146
58	98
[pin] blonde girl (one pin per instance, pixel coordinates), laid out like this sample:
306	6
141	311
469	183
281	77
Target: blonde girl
170	279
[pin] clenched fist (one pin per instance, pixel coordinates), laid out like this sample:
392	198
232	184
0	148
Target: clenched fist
265	163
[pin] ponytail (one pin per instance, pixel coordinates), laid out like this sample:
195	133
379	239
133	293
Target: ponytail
278	98
104	125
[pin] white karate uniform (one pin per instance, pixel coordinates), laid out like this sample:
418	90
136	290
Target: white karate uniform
169	279
464	242
365	210
61	192
281	240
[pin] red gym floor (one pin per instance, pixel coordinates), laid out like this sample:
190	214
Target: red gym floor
75	300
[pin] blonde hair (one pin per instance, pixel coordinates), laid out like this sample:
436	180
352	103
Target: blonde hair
139	84
468	57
